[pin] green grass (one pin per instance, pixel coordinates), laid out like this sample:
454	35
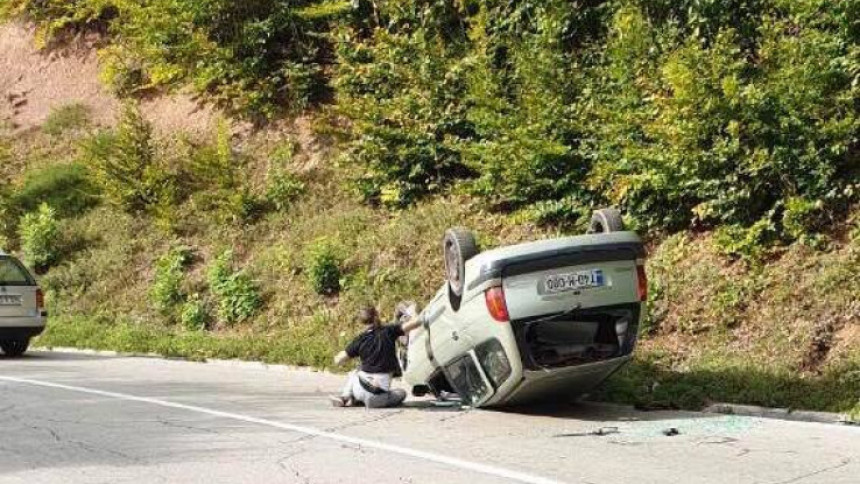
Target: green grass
651	383
67	118
297	347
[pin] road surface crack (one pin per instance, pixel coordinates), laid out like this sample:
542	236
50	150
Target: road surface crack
379	418
289	468
843	463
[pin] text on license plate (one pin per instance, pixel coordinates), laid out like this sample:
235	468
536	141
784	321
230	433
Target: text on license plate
7	300
573	281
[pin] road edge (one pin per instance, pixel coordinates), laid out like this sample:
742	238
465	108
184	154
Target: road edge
786	414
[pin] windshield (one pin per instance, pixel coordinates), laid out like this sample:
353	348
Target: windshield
13	274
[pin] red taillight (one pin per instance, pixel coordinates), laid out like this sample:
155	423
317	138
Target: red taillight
496	304
642	285
40	299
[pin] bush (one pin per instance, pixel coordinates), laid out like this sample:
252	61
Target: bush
194	315
323	262
221	175
166	291
237	297
40	238
56	16
682	113
67	118
282	189
127	167
7	222
747	243
66	188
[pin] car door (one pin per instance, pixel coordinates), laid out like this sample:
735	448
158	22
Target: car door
447	339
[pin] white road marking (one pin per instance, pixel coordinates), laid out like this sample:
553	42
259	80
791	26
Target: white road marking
418	454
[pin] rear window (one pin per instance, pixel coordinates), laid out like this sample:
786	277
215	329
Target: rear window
13	274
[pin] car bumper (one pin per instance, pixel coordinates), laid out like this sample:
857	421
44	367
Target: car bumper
568	382
20	328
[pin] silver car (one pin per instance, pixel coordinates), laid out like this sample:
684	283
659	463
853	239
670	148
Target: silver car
533	321
22	307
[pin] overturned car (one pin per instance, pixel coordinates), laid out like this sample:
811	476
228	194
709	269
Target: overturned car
530	322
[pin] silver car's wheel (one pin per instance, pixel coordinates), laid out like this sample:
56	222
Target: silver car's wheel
459	246
606	220
15	347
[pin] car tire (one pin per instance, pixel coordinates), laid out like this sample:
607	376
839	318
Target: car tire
458	246
15	347
606	220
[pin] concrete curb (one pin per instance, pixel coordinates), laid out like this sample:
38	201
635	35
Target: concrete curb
780	414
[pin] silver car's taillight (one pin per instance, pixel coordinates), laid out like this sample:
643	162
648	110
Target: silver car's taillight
496	304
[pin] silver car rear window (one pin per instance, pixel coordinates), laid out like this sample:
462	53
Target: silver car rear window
13	274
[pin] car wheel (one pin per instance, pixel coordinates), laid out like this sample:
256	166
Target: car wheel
606	220
15	347
459	245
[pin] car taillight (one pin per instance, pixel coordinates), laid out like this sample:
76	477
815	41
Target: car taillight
496	304
40	299
642	284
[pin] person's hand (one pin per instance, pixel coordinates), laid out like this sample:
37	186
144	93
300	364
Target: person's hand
341	358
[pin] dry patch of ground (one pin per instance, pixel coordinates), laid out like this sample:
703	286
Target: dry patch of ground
34	83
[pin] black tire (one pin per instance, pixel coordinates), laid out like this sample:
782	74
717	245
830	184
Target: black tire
458	246
606	220
15	347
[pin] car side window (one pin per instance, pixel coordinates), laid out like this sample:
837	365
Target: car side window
466	379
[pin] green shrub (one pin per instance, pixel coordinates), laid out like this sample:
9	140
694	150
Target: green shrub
166	290
804	220
67	118
238	298
127	166
221	176
56	16
323	262
282	189
687	112
750	244
193	315
66	188
7	222
40	238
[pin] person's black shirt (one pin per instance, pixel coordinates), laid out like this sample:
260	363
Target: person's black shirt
377	349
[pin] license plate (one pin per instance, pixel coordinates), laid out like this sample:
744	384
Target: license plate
7	300
574	281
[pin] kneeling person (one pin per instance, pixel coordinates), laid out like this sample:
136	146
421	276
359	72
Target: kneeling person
376	348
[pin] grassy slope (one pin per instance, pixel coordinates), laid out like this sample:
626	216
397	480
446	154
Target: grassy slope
785	334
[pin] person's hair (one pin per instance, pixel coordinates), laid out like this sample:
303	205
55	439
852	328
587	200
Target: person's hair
367	315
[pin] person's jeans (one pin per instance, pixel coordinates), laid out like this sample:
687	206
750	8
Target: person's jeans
353	389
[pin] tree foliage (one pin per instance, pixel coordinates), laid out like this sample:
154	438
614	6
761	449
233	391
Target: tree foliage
683	113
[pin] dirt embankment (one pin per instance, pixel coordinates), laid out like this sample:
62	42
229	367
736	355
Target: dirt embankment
33	83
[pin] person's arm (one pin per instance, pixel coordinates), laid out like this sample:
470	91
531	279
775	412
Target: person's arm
341	358
349	353
412	324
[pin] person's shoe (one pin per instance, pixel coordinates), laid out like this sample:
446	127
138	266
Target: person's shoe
338	401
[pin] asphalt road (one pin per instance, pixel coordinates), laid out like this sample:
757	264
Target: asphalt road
72	418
